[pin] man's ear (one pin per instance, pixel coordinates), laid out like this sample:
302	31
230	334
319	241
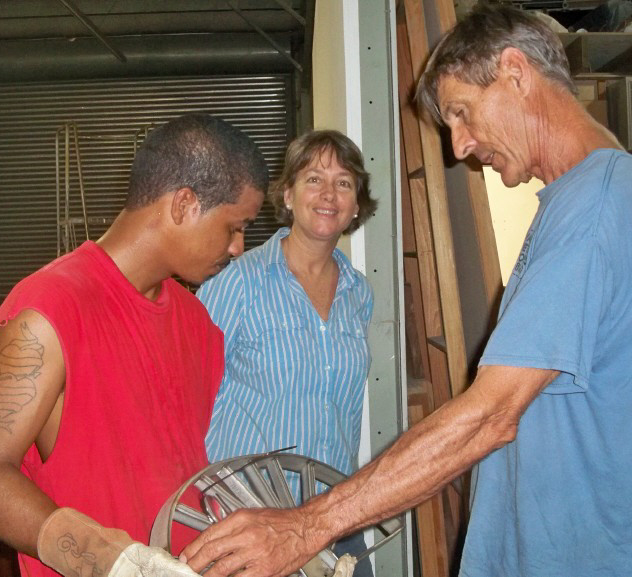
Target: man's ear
184	203
515	68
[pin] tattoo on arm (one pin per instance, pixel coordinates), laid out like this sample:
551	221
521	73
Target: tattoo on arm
20	364
80	563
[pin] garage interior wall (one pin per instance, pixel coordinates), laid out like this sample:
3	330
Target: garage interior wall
359	103
109	114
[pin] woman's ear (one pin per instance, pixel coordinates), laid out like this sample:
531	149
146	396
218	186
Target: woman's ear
288	197
516	69
184	203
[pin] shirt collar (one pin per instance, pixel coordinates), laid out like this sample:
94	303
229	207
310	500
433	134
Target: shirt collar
272	251
273	255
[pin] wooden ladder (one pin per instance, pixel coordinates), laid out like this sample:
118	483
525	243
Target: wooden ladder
435	344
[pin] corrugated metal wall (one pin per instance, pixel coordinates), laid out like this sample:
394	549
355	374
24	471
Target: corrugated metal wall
108	115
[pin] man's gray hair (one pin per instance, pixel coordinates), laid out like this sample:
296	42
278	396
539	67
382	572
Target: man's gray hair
471	51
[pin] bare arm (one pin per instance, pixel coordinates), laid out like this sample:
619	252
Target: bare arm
32	376
273	543
32	379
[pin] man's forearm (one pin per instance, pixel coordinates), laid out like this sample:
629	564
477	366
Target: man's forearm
273	542
419	464
427	457
24	508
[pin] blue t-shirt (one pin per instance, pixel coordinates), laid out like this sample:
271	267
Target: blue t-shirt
291	378
557	502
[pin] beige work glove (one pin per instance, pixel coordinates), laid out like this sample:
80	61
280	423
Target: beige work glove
345	566
77	546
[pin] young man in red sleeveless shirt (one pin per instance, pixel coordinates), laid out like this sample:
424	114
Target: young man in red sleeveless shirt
109	368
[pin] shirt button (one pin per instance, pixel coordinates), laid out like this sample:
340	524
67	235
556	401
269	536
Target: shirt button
327	368
323	328
326	406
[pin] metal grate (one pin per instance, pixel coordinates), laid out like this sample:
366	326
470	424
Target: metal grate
108	113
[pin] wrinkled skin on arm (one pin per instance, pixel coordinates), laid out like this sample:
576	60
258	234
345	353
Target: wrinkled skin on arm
273	543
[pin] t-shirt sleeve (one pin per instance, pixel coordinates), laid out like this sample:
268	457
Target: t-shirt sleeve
552	319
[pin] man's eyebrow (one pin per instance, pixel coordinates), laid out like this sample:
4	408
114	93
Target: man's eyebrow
446	109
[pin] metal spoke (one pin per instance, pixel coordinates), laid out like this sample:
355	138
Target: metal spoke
279	482
242	491
259	484
225	498
191	518
308	481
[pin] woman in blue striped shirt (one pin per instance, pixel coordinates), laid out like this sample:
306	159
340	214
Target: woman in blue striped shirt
295	315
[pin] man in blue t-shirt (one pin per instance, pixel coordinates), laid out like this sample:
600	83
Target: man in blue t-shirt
547	419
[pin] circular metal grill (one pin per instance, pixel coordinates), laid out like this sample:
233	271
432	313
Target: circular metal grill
250	481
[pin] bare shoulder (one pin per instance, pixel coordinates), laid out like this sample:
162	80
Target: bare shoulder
32	376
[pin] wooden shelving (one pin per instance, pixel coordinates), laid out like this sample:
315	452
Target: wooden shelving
598	52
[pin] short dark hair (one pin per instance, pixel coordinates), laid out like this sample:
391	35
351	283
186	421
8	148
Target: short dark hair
300	153
199	151
471	51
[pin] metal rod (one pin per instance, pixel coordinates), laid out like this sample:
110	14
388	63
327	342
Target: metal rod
67	188
82	191
291	11
57	191
95	31
265	35
259	484
308	481
275	471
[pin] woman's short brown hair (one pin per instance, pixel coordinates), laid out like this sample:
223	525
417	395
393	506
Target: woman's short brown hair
300	153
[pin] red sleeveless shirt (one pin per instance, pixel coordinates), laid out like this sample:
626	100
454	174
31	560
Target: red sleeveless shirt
141	378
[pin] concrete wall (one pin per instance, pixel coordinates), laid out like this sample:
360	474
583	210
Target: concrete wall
328	65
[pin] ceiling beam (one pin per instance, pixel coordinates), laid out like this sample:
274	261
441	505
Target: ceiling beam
93	29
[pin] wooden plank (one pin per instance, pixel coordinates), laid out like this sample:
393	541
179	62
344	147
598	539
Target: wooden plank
430	515
409	243
418	362
416	349
414	194
452	506
479	201
439	211
486	238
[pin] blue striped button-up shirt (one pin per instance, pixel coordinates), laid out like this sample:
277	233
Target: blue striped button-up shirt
291	378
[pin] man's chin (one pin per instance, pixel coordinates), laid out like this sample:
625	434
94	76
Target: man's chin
513	180
218	268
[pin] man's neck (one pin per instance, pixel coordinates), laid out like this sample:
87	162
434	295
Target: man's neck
134	243
567	134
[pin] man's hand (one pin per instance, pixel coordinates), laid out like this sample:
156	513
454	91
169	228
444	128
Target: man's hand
257	542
